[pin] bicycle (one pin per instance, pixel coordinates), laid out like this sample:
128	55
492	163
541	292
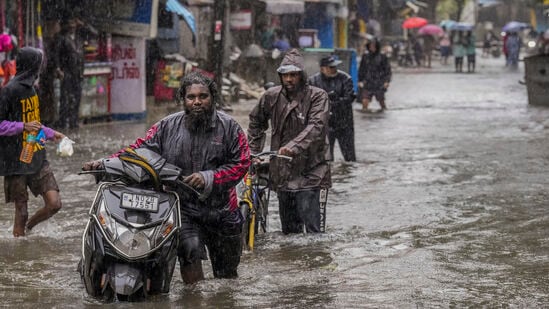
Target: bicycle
253	194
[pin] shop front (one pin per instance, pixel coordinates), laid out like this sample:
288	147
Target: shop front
168	64
324	16
114	51
126	25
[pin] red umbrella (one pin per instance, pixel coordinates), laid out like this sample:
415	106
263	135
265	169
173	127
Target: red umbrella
431	29
414	22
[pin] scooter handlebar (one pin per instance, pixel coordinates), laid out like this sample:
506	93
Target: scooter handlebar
186	186
98	174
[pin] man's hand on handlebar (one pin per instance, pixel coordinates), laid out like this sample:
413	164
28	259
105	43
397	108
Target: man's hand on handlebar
195	180
285	151
92	165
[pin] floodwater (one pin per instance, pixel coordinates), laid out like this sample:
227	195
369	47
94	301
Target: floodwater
446	207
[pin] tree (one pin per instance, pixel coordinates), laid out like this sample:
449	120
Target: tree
460	5
431	12
451	9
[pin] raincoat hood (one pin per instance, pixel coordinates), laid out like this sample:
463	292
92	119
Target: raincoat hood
377	44
28	64
292	62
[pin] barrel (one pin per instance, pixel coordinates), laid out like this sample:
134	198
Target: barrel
537	79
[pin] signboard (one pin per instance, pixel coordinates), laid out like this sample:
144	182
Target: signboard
241	20
217	30
125	17
128	77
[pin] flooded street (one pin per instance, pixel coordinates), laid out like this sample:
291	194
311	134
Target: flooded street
446	207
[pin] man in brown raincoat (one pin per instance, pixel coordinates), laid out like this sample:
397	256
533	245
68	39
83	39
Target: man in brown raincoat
299	117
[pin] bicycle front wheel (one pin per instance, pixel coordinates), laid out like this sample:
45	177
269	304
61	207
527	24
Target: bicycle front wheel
249	227
262	213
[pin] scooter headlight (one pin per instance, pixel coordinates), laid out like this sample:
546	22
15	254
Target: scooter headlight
138	243
132	244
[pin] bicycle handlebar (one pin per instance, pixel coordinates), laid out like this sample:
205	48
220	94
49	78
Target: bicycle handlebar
270	154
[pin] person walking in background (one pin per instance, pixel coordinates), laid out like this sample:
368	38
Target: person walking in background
445	46
339	87
489	38
280	42
458	49
19	117
69	64
504	47
298	113
265	37
470	51
417	50
356	39
513	44
374	75
428	46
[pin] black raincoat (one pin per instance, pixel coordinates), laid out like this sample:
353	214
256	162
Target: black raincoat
374	70
19	103
341	106
221	154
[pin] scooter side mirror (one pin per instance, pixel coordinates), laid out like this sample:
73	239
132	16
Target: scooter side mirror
268	85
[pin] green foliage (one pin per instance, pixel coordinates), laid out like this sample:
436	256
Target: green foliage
446	9
450	9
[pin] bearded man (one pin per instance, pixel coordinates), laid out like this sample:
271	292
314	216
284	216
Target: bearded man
298	114
211	148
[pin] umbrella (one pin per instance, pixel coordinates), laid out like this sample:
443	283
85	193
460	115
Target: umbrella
431	29
462	27
448	23
514	26
414	22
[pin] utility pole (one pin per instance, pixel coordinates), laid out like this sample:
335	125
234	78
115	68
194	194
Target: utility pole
217	44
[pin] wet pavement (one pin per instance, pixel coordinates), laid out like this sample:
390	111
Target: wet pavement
446	207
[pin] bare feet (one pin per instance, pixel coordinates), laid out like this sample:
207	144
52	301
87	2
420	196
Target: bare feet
18	230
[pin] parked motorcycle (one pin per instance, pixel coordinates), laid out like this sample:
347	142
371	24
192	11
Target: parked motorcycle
129	246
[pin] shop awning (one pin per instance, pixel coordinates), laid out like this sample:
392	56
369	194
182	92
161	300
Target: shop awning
278	7
175	7
488	3
340	2
200	2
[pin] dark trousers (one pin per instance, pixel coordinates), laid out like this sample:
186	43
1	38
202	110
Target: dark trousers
221	235
298	209
346	139
69	103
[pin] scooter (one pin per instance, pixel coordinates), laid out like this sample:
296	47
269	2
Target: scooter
129	245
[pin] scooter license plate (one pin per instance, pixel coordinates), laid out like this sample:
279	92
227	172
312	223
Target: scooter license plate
139	202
